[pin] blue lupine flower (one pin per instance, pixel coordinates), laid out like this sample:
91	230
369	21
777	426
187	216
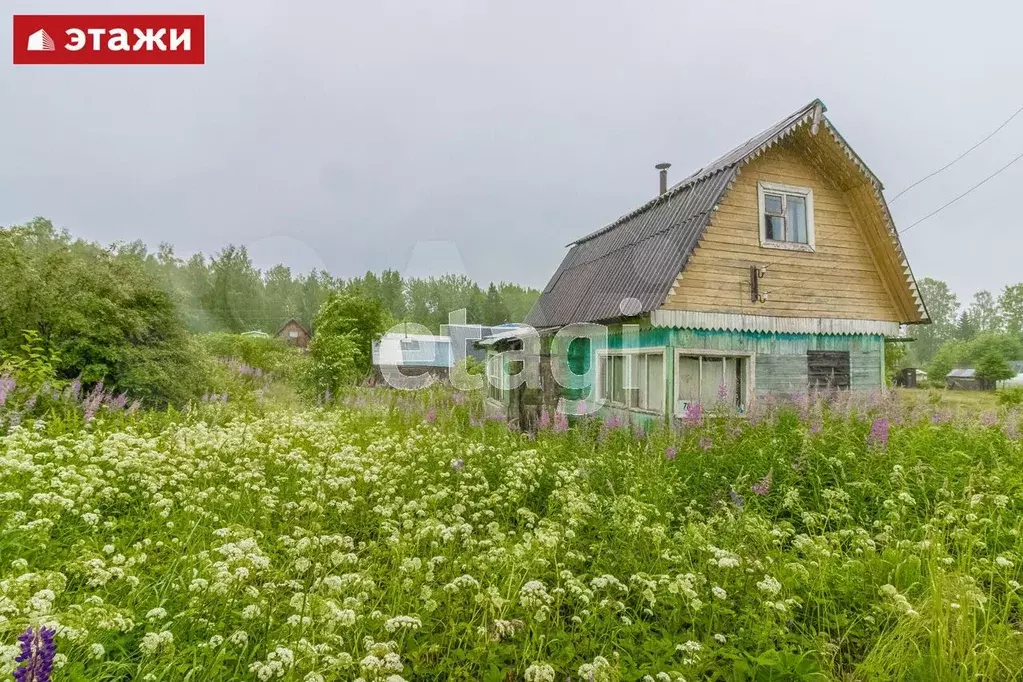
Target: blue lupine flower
35	662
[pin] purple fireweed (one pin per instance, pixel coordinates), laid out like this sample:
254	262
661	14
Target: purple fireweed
670	454
878	435
7	385
431	415
560	422
35	661
706	443
581	408
612	422
763	486
545	419
693	416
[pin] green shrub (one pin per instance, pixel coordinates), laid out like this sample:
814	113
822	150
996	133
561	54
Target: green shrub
99	315
269	356
1011	396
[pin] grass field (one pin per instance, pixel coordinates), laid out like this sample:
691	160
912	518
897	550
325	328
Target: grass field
396	537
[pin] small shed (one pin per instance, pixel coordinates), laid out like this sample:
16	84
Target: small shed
909	377
294	334
965	379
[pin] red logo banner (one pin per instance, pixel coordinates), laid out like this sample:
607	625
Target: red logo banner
109	39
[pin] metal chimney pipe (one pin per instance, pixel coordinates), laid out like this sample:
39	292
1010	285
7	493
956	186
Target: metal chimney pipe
663	167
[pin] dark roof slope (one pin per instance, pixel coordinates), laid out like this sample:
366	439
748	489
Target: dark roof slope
639	256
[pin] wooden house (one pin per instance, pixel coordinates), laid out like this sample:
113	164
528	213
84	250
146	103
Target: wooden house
775	269
294	334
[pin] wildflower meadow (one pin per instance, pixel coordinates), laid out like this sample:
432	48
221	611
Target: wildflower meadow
388	536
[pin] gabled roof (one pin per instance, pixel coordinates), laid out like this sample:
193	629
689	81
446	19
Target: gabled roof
285	326
628	267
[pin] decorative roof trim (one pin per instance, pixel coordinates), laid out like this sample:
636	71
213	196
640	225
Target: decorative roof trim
877	188
692	319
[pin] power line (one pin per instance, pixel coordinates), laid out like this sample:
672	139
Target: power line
960	157
967	192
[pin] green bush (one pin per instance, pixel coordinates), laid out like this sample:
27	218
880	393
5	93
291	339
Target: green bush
342	347
268	356
1011	396
100	315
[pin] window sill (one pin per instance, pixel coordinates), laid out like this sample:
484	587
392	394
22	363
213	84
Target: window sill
787	246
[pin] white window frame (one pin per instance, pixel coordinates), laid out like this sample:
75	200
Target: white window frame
751	372
602	356
778	188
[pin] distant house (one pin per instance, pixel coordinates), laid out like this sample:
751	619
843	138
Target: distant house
1017	367
413	354
965	379
773	270
294	334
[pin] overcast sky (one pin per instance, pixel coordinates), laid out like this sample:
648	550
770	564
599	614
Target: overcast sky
483	136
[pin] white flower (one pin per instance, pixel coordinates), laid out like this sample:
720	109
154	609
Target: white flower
769	585
96	650
540	672
156	614
719	592
719	638
1003	562
402	623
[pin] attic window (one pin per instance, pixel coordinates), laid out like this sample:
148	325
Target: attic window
786	216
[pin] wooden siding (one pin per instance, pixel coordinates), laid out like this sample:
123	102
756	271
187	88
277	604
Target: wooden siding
841	279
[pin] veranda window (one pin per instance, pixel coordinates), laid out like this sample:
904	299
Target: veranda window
633	379
711	381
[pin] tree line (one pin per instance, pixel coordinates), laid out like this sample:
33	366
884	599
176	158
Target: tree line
227	293
985	333
122	314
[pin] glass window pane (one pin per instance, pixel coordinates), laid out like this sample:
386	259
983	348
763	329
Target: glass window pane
640	365
730	388
772	204
775	228
711	380
655	382
631	385
796	214
605	378
687	383
617	379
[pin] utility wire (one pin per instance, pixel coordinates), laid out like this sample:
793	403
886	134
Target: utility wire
967	192
958	158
